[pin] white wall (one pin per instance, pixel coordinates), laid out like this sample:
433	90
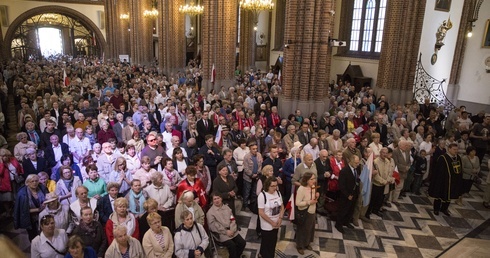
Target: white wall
17	7
432	20
474	81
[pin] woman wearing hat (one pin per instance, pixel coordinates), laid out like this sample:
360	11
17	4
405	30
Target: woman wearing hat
58	211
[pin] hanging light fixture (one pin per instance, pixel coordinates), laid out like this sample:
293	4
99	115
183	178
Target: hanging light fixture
191	9
256	6
475	9
124	16
153	13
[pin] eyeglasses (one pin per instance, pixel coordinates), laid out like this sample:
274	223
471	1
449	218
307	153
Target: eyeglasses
151	140
273	186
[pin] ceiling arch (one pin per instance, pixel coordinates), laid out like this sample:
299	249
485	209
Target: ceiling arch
84	20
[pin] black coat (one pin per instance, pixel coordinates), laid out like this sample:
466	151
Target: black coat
383	133
203	131
105	208
446	181
321	169
44	142
29	167
49	154
348	184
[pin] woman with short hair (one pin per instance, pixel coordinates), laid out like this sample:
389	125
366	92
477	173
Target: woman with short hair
91	232
51	242
158	241
66	186
121	175
190	238
271	211
121	217
21	147
77	249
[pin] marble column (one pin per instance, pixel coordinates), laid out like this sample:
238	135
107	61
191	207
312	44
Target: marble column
307	58
171	36
219	26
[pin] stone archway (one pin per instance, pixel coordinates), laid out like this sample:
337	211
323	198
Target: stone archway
84	20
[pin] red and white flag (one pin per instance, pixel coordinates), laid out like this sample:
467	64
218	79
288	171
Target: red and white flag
66	81
213	74
279	77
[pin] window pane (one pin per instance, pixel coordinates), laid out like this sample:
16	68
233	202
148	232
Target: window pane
368	25
356	25
381	23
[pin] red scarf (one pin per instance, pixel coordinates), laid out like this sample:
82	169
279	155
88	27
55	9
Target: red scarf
263	121
275	119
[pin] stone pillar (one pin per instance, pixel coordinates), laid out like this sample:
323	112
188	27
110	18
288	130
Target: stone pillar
2	45
141	34
247	39
307	58
398	60
123	27
219	26
171	36
112	28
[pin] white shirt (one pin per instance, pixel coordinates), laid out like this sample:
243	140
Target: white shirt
272	208
80	147
57	153
40	248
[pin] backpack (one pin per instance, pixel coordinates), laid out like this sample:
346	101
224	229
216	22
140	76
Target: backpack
254	206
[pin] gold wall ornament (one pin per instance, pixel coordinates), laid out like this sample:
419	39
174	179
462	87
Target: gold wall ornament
441	33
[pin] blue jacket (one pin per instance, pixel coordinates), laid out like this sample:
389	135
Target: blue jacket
22	218
288	168
88	252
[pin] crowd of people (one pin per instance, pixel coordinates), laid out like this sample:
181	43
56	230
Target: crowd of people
118	160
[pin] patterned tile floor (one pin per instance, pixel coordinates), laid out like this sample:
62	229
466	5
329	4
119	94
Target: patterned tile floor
409	230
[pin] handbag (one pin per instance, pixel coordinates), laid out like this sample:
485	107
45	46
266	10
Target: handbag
300	215
17	178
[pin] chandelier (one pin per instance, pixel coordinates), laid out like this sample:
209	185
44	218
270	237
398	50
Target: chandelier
124	16
191	9
153	13
256	6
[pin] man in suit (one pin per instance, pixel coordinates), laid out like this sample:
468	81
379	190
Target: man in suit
118	127
349	192
382	129
204	127
105	205
54	151
324	171
401	156
304	135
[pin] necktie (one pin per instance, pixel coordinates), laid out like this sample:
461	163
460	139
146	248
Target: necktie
206	124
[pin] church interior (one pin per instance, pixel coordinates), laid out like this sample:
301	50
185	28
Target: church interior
405	50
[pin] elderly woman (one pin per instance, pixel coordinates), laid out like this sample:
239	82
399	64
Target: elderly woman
96	186
221	221
82	201
158	241
145	172
105	133
225	186
58	211
132	159
51	243
121	175
188	202
11	178
167	216
203	172
67	160
48	183
137	142
193	184
170	176
121	217
306	199
32	164
66	186
29	202
125	245
91	232
21	147
160	192
96	151
190	238
375	146
77	249
471	169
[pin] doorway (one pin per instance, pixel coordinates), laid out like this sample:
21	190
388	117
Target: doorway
50	41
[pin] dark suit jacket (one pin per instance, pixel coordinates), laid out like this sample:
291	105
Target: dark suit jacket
302	137
29	167
105	208
347	183
321	169
203	131
117	128
383	134
49	154
45	142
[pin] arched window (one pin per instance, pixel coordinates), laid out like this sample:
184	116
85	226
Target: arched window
362	27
